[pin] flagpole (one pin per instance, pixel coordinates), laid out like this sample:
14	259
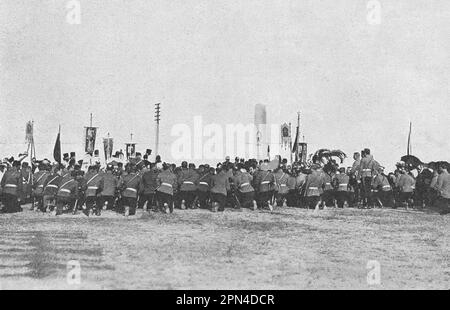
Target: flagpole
408	151
290	141
298	133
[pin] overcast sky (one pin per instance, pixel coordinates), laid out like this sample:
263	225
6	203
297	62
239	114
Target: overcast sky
357	84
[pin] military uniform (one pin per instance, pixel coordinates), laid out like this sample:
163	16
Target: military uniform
91	187
130	185
243	183
383	190
51	185
282	189
314	188
167	186
263	182
328	189
406	184
38	187
367	169
203	189
108	183
67	193
443	188
148	188
342	192
187	180
220	186
12	186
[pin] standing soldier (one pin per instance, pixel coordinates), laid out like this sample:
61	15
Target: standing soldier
38	187
91	186
203	185
27	182
313	187
12	186
167	184
443	188
368	168
355	177
328	193
108	184
130	185
263	181
300	183
67	193
186	181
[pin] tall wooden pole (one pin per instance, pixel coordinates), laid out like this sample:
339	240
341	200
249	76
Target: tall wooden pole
157	119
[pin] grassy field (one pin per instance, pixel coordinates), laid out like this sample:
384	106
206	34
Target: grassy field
288	249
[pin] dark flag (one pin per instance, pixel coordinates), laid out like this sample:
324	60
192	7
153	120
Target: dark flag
57	149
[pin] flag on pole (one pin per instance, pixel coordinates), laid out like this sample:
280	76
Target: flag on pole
91	133
29	132
295	148
57	149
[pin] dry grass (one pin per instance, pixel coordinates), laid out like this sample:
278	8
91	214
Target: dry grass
289	249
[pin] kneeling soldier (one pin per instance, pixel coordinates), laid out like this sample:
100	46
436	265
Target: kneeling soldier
130	185
167	184
67	193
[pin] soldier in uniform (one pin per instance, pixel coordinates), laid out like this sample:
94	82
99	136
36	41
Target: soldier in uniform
167	185
405	184
384	190
130	185
342	193
355	177
328	193
367	168
263	182
38	187
443	188
293	193
67	193
12	186
50	190
2	172
108	183
243	183
27	179
220	186
314	187
203	185
300	181
91	187
187	180
281	177
148	188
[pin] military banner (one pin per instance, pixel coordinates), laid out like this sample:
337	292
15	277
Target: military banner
91	133
108	147
285	136
130	150
29	132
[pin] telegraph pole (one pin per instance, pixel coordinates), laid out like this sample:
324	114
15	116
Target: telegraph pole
157	119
